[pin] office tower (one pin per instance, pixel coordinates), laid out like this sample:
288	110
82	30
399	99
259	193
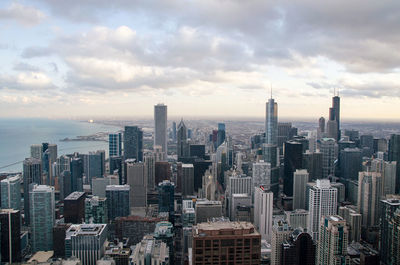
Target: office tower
62	163
220	134
389	227
197	150
270	155
134	227
32	172
114	144
369	194
36	151
150	250
367	145
136	175
187	179
300	181
239	184
159	155
352	134
76	167
262	174
118	202
285	133
96	210
394	155
350	163
10	229
298	218
94	165
322	201
166	192
188	217
341	191
238	200
42	204
160	126
164	232
133	143
353	220
162	172
298	249
271	122
333	241
281	231
116	165
206	210
150	165
11	193
240	238
99	185
86	242
388	173
312	162
263	209
182	145
74	207
321	127
380	145
293	159
327	148
65	184
334	119
59	232
174	131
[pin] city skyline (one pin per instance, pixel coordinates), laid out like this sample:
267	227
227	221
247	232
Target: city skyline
59	59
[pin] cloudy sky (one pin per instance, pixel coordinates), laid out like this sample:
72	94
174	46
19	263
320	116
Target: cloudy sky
202	58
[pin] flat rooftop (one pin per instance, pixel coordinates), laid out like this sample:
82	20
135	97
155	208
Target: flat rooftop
75	195
224	228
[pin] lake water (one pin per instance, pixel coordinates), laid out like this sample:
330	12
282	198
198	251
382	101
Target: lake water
17	135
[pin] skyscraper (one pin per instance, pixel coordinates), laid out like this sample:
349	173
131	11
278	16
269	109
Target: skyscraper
114	144
327	148
293	159
42	206
187	179
36	151
136	175
301	179
160	127
221	134
182	145
389	227
263	209
298	249
150	164
11	193
262	174
74	208
281	231
322	201
32	175
166	192
369	194
394	155
76	167
118	202
353	220
333	125
271	122
333	240
133	143
10	241
96	210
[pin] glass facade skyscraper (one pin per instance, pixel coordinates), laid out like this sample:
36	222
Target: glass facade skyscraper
11	193
114	144
133	143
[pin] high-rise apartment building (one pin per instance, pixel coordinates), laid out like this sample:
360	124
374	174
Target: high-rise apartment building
118	202
388	173
298	218
160	127
263	209
353	220
389	207
114	144
32	172
42	205
322	201
11	193
301	178
86	242
281	232
271	122
136	175
10	237
230	243
369	195
133	143
333	241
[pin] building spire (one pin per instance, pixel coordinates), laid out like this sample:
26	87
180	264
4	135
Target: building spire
270	88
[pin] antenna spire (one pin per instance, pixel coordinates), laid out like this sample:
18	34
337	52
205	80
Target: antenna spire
271	88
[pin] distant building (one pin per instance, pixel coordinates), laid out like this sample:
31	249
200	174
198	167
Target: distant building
271	122
182	144
298	218
133	143
353	220
206	210
389	230
160	126
327	148
233	238
118	202
369	194
96	210
298	249
166	192
281	232
136	175
263	210
32	173
293	159
134	227
262	174
150	250
301	178
114	144
394	155
42	204
187	179
99	184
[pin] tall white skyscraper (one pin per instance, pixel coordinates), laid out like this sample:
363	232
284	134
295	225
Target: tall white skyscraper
300	180
263	210
160	126
262	174
322	202
369	194
271	122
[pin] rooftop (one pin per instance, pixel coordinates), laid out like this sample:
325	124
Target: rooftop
223	228
75	195
118	187
85	229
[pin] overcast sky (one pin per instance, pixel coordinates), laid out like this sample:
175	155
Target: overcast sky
201	58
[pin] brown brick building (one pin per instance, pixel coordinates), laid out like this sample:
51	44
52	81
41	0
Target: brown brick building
225	242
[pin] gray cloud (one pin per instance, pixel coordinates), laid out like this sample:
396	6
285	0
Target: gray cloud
36	51
25	15
25	67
